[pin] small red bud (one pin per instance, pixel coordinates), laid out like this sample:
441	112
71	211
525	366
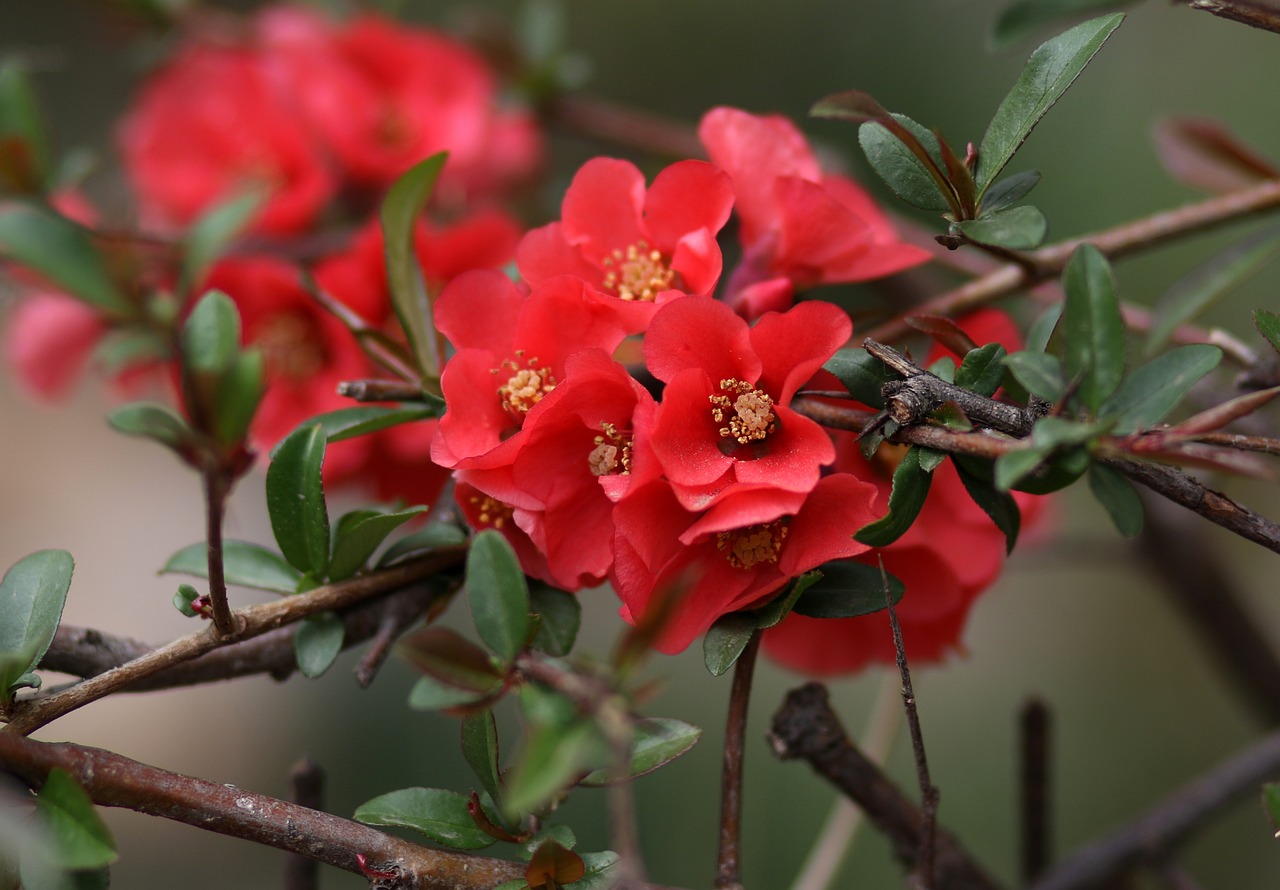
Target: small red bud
375	874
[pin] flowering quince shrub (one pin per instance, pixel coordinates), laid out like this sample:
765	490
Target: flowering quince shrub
657	395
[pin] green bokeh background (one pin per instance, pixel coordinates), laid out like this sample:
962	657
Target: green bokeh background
1076	619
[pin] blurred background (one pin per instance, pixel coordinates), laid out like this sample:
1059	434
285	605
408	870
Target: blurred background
1077	619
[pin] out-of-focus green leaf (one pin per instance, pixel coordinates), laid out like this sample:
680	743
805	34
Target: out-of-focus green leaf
561	615
210	235
452	659
1008	191
848	589
725	640
318	642
552	759
1048	73
480	749
360	420
400	211
236	397
1017	228
440	815
435	536
24	144
1271	801
79	838
655	742
32	595
354	542
153	421
498	593
1021	19
982	370
1153	390
1117	494
244	564
1039	372
61	251
1041	331
1093	327
1211	281
295	501
1268	325
211	334
910	488
862	374
997	504
429	694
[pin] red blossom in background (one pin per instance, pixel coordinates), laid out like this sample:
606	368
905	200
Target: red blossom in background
48	341
799	227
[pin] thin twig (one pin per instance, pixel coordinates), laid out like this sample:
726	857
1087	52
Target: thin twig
307	779
626	127
380	391
216	487
1263	16
729	854
1034	745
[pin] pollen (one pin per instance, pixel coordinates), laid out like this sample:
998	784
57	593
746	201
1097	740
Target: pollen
746	548
637	274
526	386
612	454
490	512
746	412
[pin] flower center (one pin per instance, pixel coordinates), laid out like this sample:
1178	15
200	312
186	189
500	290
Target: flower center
747	412
490	512
747	547
291	346
637	274
612	454
526	386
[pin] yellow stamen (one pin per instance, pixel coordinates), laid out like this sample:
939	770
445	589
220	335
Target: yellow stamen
752	417
526	386
612	454
490	512
637	274
747	547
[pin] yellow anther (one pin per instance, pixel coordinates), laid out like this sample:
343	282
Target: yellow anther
746	548
612	454
749	411
637	274
526	386
490	512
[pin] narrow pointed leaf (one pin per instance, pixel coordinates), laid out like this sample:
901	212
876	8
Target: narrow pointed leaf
318	642
360	420
61	251
400	211
655	742
440	815
1008	191
1268	325
430	694
1048	73
355	542
79	837
32	595
1042	329
1220	415
1148	394
452	659
561	616
1203	153
213	232
436	536
243	563
910	488
778	608
1014	467
1039	372
725	640
480	749
498	593
1117	495
159	423
997	504
552	759
1093	327
295	501
847	590
982	369
1017	228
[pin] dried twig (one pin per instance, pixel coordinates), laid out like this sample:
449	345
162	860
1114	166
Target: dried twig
1264	16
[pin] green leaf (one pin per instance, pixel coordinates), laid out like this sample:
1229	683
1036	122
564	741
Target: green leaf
561	615
360	420
655	742
236	397
355	541
436	536
1092	325
725	640
910	488
561	834
1153	390
61	251
125	348
440	815
982	370
1041	331
318	642
211	334
452	659
1048	73
400	211
846	590
1039	372
429	694
244	564
778	608
480	749
1022	19
553	758
862	374
184	597
32	595
498	593
156	422
599	874
210	235
1009	191
999	505
1271	801
900	168
24	144
295	501
1017	228
1117	494
1014	466
79	838
1209	282
1268	325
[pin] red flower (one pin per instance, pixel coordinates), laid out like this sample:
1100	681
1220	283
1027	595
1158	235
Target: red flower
208	125
49	340
731	557
637	248
724	423
799	228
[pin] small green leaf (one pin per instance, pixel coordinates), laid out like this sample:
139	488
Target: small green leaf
1013	467
910	488
553	758
862	374
1021	19
999	505
561	615
498	593
1117	494
436	536
452	659
778	608
440	815
400	211
725	640
1007	192
156	422
1048	73
480	749
655	742
210	235
355	541
24	144
1093	327
982	370
295	501
1041	330
1153	390
184	597
236	396
599	874
61	251
32	595
211	334
318	642
429	694
360	420
244	564
125	348
1017	228
900	167
847	590
1268	325
1039	372
79	838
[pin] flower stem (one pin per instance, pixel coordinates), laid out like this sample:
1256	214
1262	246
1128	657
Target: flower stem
728	859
